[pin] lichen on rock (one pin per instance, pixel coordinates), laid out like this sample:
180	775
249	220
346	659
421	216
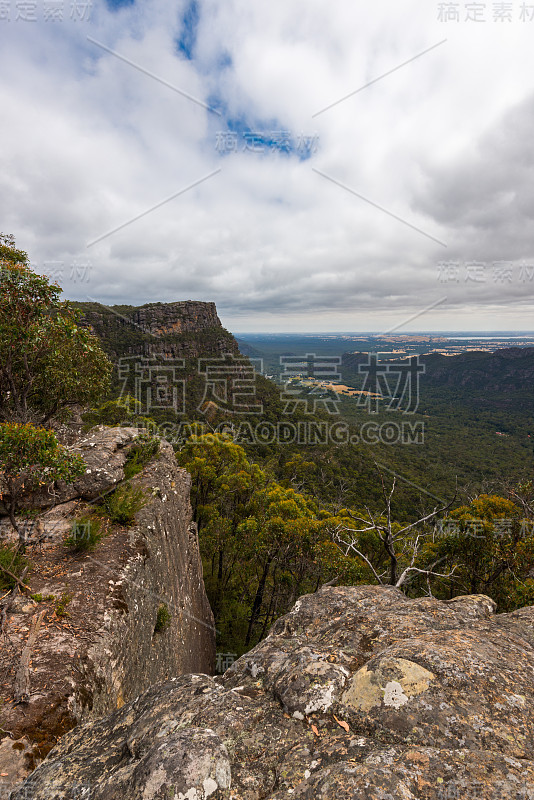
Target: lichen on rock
358	692
367	688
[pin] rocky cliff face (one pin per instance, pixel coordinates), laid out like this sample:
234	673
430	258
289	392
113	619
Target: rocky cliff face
358	692
182	317
173	330
98	646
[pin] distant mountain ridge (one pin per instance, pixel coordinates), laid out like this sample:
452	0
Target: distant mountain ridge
511	367
500	379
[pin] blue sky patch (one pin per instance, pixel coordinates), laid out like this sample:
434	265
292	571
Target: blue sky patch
224	61
187	41
238	135
114	5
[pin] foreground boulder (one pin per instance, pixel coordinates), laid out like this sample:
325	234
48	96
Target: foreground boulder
96	641
357	692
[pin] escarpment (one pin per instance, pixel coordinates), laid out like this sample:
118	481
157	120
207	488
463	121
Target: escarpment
113	620
357	692
186	329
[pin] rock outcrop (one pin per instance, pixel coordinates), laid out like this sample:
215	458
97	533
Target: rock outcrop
357	692
186	329
168	342
181	317
98	645
104	451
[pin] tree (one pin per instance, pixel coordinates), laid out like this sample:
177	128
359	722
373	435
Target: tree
126	410
262	543
285	540
523	496
31	457
278	539
223	482
48	361
395	553
492	543
8	251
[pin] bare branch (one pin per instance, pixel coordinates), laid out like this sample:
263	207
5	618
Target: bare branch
13	577
428	572
432	514
395	543
353	547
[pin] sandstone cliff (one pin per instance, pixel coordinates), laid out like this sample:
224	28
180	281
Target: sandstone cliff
171	335
97	646
187	329
357	693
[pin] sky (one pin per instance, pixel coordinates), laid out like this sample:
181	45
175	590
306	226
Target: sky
341	166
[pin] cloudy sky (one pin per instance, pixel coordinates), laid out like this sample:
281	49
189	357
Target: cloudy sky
308	166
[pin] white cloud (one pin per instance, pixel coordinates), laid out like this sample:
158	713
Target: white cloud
88	142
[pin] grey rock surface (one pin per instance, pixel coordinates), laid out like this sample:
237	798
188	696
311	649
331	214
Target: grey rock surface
357	692
102	650
104	451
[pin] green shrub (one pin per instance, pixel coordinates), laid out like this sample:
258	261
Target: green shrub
86	532
13	561
122	505
140	454
42	598
61	608
163	618
30	458
115	413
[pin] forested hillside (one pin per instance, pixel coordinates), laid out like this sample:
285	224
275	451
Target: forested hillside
294	484
300	485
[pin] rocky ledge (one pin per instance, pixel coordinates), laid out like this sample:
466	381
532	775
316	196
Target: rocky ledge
357	692
97	644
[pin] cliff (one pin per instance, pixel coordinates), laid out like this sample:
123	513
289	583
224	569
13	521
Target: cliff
98	645
357	692
187	329
175	336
